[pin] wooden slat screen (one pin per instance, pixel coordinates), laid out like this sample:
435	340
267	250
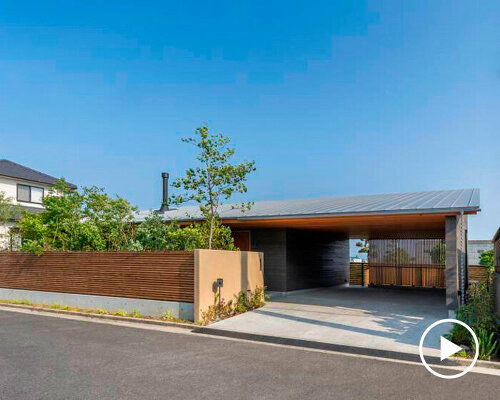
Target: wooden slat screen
355	274
408	262
478	273
427	276
167	276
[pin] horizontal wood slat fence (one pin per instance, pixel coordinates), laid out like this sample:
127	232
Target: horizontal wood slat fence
426	276
478	273
167	276
355	276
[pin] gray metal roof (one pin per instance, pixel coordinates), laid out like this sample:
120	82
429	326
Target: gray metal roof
379	204
13	170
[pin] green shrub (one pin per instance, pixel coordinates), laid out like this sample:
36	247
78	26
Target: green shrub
245	301
167	315
134	314
479	315
488	345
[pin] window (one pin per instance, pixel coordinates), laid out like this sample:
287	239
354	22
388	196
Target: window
23	193
36	194
29	194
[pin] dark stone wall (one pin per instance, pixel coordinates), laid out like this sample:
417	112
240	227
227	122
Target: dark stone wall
301	259
316	259
272	242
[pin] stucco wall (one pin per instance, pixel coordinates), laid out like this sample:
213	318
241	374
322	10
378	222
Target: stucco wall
240	270
9	187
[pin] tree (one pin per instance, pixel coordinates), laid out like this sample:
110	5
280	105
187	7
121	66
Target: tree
397	256
487	258
438	253
73	221
364	246
214	180
7	213
154	235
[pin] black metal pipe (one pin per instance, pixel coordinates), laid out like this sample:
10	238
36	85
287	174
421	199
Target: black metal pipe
164	203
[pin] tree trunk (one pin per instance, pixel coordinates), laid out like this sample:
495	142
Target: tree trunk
210	235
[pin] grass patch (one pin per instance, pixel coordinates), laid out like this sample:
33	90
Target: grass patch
168	316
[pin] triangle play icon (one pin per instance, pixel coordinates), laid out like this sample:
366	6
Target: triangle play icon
448	348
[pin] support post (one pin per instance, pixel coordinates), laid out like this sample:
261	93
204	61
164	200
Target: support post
455	259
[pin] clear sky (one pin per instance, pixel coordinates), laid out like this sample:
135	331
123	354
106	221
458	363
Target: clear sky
328	97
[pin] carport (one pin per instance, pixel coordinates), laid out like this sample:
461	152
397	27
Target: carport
306	242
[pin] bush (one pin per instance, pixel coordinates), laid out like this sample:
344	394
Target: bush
479	315
245	301
488	345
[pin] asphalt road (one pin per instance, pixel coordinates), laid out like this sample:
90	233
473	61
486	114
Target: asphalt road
52	358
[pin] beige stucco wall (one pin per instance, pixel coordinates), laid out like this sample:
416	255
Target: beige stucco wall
241	270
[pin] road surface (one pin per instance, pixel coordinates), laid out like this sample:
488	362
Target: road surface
43	357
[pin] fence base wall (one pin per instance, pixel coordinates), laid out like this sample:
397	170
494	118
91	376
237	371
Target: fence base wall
153	308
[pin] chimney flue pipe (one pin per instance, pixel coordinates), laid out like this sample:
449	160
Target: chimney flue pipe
164	203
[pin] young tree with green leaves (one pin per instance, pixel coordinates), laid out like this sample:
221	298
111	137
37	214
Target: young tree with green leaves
8	211
364	246
487	258
214	180
89	220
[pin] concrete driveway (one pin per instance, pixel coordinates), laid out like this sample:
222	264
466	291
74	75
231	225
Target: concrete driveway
374	318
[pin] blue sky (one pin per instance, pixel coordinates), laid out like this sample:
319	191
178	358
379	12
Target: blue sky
328	97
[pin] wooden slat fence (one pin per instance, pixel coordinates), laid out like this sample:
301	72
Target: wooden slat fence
167	276
478	273
426	276
355	269
407	262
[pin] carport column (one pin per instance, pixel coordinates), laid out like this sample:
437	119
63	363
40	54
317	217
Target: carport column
455	258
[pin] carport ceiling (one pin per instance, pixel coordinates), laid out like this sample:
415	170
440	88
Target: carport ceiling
375	226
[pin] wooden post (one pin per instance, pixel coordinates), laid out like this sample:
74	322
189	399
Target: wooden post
362	273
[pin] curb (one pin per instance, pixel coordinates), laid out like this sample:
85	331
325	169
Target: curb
102	316
366	351
479	363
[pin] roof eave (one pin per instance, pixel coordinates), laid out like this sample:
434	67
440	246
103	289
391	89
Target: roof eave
69	184
449	211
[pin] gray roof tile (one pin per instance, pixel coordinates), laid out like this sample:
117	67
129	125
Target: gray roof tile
13	170
393	203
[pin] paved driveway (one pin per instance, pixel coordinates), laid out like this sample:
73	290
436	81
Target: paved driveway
375	318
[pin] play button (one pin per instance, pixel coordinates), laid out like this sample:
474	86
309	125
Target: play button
448	348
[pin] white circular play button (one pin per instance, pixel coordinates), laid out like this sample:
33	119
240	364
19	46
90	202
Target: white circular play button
448	348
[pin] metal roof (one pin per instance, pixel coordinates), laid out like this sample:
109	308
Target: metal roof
13	170
439	201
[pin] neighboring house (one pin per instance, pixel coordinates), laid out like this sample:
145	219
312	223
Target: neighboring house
475	248
26	188
306	242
